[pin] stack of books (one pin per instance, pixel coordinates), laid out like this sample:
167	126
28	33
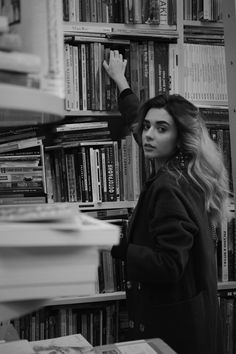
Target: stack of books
50	250
17	67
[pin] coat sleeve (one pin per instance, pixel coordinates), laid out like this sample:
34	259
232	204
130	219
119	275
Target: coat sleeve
172	232
128	104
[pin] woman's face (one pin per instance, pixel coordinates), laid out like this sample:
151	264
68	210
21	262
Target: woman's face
159	135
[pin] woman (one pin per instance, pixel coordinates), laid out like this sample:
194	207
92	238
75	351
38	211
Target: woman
170	257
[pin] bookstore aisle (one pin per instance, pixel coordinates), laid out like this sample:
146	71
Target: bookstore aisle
64	167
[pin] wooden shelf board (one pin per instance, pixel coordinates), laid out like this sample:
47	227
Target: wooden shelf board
119	295
121	29
91	113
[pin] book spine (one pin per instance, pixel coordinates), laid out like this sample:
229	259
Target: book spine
110	173
70	177
84	77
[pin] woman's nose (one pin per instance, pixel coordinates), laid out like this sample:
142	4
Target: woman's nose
149	132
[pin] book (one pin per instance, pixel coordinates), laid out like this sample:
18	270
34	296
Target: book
4	24
67	227
47	266
20	79
10	41
150	346
54	240
69	344
16	347
81	126
20	62
20	144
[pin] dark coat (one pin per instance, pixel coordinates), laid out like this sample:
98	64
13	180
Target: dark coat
171	269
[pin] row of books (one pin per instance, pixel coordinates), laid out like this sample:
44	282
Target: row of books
59	245
152	68
22	174
205	74
93	171
111	272
227	300
226	250
203	10
99	324
221	136
155	12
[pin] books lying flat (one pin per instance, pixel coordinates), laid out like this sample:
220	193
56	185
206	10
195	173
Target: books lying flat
54	253
20	62
67	344
19	347
53	225
149	346
76	343
84	232
26	266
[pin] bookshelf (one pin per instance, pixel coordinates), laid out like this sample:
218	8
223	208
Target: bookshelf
28	101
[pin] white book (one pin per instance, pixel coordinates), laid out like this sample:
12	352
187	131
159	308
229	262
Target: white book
76	232
151	69
72	16
10	41
71	61
163	12
68	77
76	77
93	170
16	347
20	62
4	25
84	77
67	342
20	144
174	68
81	126
224	252
47	265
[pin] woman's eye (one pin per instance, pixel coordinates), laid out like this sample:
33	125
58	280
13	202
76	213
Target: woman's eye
161	129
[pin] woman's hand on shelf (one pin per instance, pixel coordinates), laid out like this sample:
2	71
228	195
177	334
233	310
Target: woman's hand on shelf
116	69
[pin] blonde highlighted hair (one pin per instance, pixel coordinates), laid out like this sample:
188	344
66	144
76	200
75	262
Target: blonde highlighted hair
205	164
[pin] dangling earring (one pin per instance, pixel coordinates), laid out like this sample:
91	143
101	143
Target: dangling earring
181	158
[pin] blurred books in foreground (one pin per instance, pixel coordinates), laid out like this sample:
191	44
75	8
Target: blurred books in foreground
50	250
78	344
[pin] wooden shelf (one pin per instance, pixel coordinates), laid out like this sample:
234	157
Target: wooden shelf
119	29
92	113
119	295
207	24
27	106
107	205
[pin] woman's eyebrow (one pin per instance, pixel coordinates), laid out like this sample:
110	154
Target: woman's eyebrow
159	122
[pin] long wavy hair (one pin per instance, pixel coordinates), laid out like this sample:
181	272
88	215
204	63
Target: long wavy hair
204	162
